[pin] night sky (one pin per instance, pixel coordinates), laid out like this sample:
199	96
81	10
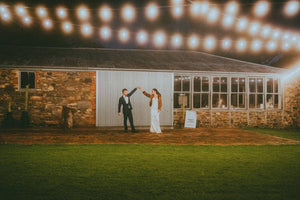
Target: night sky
14	33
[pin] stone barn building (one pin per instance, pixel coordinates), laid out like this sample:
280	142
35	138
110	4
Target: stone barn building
224	92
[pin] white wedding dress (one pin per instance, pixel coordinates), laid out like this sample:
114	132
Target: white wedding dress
155	126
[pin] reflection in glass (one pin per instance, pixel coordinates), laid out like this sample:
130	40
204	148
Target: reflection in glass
252	101
242	85
205	84
260	85
186	84
269	85
252	84
223	84
242	103
216	84
196	99
197	84
234	84
260	101
177	83
204	100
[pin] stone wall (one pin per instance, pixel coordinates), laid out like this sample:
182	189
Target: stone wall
291	116
76	90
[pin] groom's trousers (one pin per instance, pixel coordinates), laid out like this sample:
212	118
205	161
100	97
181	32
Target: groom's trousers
128	115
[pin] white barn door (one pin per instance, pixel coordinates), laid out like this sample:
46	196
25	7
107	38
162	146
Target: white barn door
109	90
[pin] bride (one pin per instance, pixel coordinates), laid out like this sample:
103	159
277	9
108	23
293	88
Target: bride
155	104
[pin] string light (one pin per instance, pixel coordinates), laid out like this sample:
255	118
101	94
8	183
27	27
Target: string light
47	23
152	11
241	45
209	43
128	13
298	45
266	31
254	28
105	13
20	10
4	12
226	43
105	33
286	46
261	8
228	21
26	20
232	8
176	40
83	13
286	36
193	41
86	29
61	13
195	9
256	45
291	8
276	34
159	39
67	27
177	11
124	35
3	8
242	24
271	46
41	11
204	7
295	38
213	15
142	37
177	2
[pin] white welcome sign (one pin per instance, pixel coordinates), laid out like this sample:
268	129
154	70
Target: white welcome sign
190	119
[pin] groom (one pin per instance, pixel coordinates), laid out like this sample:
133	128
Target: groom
127	107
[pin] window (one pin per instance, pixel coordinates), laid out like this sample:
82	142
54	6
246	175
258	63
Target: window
182	91
272	96
238	93
201	92
256	93
220	93
27	78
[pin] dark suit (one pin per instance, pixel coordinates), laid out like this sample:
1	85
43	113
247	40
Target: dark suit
127	110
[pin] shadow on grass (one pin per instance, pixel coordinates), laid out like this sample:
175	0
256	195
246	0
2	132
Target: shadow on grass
293	134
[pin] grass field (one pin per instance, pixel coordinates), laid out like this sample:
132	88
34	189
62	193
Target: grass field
293	134
128	171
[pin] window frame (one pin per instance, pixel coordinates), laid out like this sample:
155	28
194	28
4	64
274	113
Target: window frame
20	81
246	76
201	92
189	106
220	91
238	92
273	93
256	93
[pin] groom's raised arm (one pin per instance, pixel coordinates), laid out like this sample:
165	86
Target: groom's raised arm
131	93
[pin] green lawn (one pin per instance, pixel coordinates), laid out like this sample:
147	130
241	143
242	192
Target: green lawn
290	134
149	172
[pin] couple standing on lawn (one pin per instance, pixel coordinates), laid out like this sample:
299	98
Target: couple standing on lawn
155	104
